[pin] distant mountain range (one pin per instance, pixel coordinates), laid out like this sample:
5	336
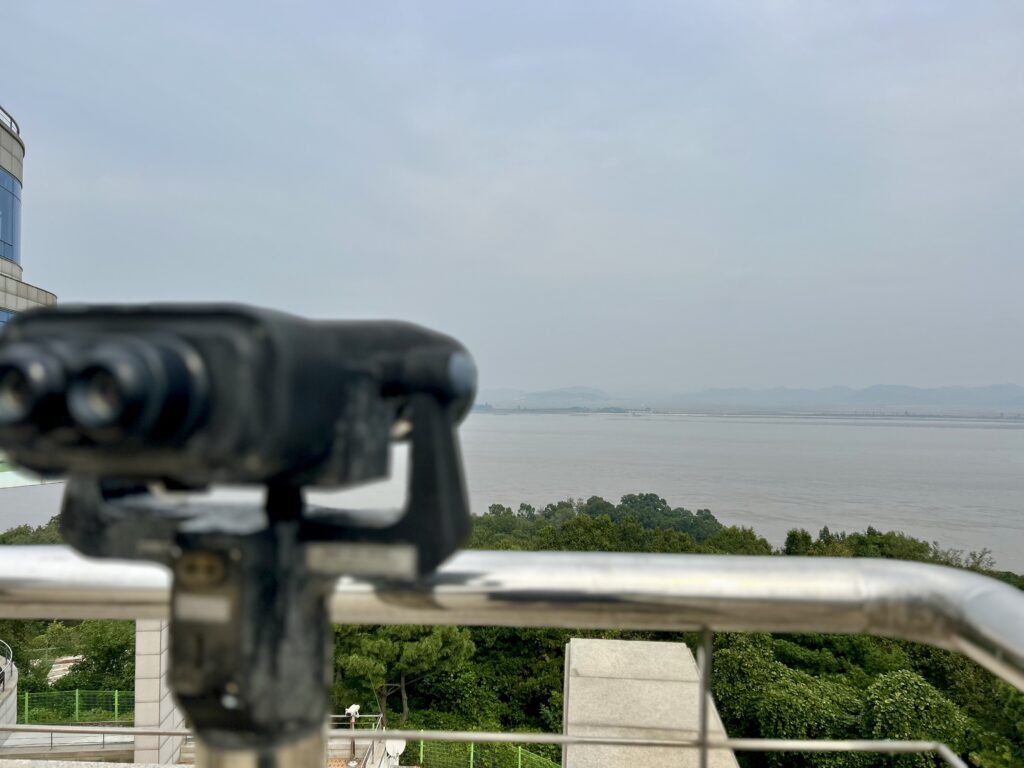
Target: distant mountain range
997	399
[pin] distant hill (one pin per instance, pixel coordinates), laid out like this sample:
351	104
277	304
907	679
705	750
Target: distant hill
996	399
566	397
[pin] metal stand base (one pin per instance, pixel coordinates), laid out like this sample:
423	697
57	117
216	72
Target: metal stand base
308	752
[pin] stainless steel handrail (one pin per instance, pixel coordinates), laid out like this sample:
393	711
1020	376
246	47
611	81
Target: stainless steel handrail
6	663
366	730
126	736
7	119
945	607
363	722
6	654
640	740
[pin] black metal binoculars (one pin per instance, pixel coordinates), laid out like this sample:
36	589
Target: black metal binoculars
123	399
194	395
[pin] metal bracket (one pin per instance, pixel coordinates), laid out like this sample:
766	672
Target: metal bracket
250	640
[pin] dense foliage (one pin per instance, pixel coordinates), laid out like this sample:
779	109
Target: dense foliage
795	686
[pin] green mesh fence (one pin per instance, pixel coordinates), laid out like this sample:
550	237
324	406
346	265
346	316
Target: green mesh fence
56	707
436	754
530	760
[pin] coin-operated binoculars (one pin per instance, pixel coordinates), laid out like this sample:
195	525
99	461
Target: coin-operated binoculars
131	401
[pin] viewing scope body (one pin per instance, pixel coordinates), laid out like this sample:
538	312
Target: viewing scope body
193	395
124	399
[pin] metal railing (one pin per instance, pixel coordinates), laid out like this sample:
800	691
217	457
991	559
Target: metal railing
363	722
345	737
40	738
435	754
940	606
430	753
6	665
8	121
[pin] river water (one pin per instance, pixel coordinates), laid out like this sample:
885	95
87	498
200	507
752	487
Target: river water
954	481
957	482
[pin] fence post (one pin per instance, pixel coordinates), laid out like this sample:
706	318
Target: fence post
421	749
26	708
117	708
78	705
519	761
471	761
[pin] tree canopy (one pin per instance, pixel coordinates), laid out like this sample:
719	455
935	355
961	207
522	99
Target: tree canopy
795	686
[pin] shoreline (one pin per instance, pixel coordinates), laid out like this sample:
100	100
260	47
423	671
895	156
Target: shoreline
740	413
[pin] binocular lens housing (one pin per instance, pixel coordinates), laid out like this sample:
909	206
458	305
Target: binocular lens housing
152	389
221	393
137	388
99	399
31	384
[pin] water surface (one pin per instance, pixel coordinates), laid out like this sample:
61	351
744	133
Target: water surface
958	482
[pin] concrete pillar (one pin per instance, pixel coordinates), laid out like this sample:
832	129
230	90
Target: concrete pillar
634	689
154	705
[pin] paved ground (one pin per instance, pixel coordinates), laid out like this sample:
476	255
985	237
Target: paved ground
21	741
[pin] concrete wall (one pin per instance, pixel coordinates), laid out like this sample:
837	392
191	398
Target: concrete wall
10	269
634	689
9	702
154	705
17	295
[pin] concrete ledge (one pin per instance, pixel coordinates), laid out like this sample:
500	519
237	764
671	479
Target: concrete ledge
633	689
17	295
9	268
26	763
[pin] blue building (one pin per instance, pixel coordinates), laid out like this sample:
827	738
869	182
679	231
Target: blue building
15	294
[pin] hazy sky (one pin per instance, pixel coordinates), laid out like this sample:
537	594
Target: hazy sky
628	195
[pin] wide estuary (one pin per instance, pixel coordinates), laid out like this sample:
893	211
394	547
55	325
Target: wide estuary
958	482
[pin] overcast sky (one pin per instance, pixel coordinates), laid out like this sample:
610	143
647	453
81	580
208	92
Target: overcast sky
625	195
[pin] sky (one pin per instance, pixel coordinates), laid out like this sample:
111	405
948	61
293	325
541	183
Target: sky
634	196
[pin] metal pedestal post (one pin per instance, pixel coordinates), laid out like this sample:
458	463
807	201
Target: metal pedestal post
308	752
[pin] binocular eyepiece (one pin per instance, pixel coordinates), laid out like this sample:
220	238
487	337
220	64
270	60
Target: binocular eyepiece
31	382
129	388
217	393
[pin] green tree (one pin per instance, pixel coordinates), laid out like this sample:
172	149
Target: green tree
108	651
903	705
595	506
798	542
738	541
671	542
26	534
759	695
25	637
580	534
524	668
391	659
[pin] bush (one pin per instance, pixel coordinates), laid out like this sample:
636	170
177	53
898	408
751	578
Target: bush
903	705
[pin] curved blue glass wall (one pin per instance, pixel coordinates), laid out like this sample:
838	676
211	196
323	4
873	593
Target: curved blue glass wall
10	217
